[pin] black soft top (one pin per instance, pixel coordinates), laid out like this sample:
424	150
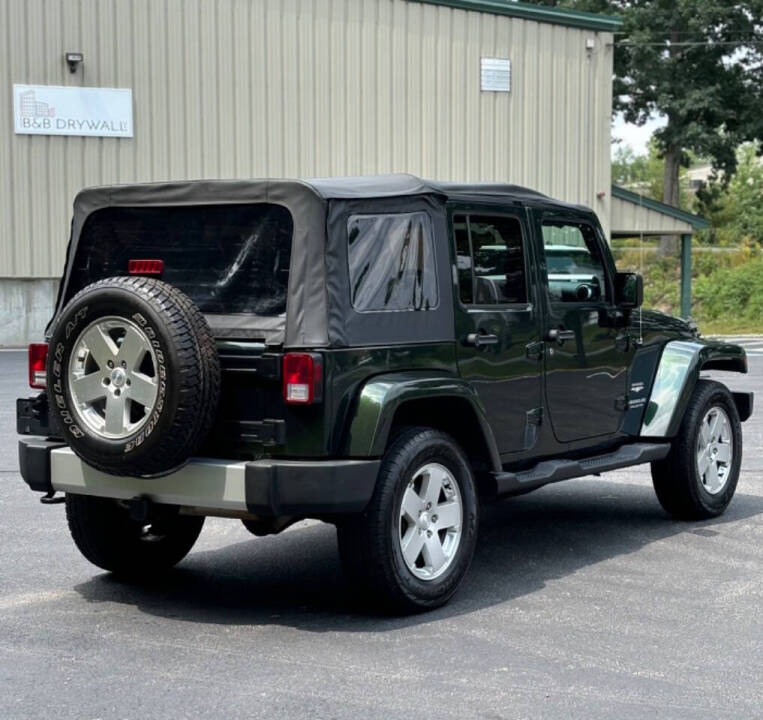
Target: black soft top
317	313
404	184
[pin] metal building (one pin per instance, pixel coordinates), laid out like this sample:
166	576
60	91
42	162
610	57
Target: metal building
467	90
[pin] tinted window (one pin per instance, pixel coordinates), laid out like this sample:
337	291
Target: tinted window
391	259
227	258
492	272
573	263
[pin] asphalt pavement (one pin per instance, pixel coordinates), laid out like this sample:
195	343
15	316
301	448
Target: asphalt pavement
584	601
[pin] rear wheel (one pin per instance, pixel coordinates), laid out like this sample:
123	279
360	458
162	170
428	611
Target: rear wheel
699	477
413	545
108	537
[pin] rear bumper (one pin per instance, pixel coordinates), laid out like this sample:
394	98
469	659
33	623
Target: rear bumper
261	487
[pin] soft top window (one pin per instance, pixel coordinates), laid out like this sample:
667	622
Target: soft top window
227	258
391	261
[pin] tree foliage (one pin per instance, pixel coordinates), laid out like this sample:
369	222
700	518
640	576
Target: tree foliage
644	173
699	63
735	207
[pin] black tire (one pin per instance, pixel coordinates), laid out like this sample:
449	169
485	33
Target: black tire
186	369
677	479
369	543
108	537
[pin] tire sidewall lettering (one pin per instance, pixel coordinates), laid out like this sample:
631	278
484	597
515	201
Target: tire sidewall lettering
57	370
161	371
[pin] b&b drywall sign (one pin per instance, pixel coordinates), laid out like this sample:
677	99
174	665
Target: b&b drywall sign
56	110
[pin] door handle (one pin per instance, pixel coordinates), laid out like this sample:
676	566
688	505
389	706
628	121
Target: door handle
559	335
480	339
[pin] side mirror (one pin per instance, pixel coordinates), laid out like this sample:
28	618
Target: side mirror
629	290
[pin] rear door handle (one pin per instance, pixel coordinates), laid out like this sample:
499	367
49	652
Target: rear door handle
480	339
560	335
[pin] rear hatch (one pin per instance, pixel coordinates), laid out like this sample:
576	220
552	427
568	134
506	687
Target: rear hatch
233	261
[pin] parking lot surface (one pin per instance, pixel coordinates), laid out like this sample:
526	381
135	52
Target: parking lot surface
584	601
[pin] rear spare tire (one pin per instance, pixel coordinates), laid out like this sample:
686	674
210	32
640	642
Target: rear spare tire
133	376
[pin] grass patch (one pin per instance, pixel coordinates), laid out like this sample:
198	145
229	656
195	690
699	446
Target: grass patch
727	285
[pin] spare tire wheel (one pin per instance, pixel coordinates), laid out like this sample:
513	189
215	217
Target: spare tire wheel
133	376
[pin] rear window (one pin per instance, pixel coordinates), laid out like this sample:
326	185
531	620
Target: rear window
391	259
226	258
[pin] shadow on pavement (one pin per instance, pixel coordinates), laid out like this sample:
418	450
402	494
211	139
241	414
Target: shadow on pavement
294	579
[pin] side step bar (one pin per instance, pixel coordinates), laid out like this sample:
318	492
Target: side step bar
550	471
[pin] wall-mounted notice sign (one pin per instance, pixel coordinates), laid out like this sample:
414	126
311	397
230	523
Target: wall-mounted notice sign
56	110
495	74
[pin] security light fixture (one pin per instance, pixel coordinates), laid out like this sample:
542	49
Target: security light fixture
73	59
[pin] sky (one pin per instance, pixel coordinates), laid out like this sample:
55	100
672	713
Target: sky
633	135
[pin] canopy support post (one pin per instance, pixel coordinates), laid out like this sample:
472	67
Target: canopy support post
685	276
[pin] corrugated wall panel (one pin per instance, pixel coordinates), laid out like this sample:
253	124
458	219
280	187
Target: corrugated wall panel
242	88
7	218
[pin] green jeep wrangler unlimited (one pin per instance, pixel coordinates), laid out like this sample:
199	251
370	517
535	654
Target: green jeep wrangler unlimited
383	354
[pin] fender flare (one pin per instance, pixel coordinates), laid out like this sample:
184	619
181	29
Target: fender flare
677	374
379	398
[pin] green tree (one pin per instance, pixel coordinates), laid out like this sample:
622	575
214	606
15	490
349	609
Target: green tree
644	174
699	63
735	207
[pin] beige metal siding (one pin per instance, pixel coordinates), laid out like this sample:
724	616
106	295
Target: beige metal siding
629	218
242	88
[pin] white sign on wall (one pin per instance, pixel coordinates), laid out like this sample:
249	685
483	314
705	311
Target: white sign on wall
56	110
495	74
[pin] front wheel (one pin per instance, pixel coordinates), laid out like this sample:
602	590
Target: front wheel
698	478
413	545
108	537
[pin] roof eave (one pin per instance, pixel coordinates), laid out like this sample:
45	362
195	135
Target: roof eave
538	13
697	222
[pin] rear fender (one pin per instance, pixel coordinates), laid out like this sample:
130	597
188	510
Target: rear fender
381	397
677	374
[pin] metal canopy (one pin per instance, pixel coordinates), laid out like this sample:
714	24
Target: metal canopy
634	215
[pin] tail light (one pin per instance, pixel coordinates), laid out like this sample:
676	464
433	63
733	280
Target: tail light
145	267
302	378
38	360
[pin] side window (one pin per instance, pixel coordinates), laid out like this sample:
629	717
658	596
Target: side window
573	262
391	262
490	260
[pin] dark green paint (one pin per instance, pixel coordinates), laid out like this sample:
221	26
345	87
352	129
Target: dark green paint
505	377
381	397
317	430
